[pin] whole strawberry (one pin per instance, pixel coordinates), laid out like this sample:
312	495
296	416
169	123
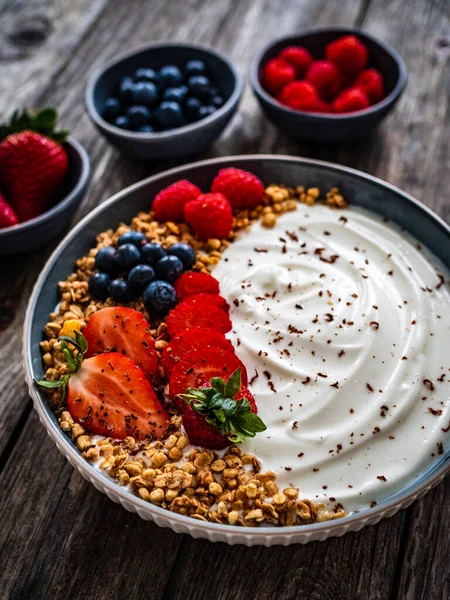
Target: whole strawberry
210	216
8	217
241	188
33	163
168	204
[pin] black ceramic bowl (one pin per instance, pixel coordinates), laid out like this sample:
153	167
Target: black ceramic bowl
319	127
38	231
182	141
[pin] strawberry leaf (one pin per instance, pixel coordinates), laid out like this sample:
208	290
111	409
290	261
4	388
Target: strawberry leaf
43	121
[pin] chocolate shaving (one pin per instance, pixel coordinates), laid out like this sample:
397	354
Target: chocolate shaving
374	324
433	411
441	281
369	387
429	384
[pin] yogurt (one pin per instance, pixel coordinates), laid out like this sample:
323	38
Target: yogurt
343	323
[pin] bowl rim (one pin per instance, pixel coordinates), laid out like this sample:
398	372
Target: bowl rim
378	106
62	204
351	522
238	89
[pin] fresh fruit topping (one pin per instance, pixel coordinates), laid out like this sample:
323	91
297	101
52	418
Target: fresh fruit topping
299	95
219	413
169	268
371	83
350	100
159	297
298	57
99	285
127	257
197	313
241	188
8	217
277	73
33	163
168	204
185	253
210	216
120	291
70	327
123	330
192	283
326	77
136	238
105	260
196	338
151	253
348	53
139	277
204	300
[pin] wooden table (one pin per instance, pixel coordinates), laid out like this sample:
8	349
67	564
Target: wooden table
59	537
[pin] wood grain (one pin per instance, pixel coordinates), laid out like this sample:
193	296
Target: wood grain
60	538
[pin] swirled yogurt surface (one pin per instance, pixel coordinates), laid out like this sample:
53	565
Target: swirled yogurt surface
343	323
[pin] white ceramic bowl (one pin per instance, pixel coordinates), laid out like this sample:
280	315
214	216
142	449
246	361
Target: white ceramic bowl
360	189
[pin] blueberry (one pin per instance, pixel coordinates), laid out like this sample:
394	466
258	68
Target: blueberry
136	238
138	115
119	290
169	268
111	109
206	111
123	122
126	88
144	92
192	107
170	76
98	285
146	75
185	253
169	115
159	297
151	253
199	85
195	67
177	94
139	277
127	257
145	129
105	260
217	101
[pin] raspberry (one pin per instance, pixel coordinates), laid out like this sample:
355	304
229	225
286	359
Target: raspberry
276	74
350	100
192	282
371	83
298	57
299	95
323	107
241	188
210	216
325	77
348	53
169	203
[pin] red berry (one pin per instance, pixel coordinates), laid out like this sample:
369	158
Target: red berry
8	217
276	74
350	100
191	283
204	313
299	95
168	204
210	216
323	107
298	57
325	77
241	188
348	53
371	83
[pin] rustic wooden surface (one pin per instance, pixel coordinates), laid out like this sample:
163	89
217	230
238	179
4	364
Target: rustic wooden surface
59	537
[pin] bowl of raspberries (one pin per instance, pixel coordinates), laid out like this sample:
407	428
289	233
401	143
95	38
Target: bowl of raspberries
328	85
165	100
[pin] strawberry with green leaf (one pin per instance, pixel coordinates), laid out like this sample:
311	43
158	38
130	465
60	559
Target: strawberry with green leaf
33	163
108	394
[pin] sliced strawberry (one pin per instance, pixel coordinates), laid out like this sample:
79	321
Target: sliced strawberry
244	392
110	395
200	310
191	283
200	433
124	330
196	338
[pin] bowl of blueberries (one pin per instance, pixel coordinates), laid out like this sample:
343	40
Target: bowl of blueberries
138	268
166	100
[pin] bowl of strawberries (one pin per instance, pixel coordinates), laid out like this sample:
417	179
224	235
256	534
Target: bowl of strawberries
43	177
328	85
